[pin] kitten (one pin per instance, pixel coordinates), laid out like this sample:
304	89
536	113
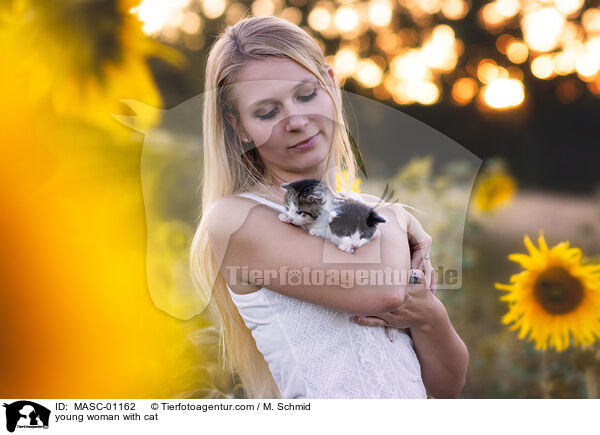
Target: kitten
349	223
308	204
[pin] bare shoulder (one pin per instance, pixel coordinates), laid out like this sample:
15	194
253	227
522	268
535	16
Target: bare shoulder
399	211
361	197
370	199
226	216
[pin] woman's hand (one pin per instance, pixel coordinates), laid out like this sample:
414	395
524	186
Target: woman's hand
418	309
420	247
418	240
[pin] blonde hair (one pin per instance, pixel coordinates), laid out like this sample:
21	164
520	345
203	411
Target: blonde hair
229	169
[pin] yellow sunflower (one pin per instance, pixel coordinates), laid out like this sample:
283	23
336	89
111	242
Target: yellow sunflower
556	296
79	59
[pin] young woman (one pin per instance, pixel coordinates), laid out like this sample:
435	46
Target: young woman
268	88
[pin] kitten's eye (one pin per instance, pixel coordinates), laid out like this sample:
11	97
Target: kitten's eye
300	212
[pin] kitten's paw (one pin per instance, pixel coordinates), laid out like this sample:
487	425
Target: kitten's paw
391	333
283	217
347	248
358	244
317	232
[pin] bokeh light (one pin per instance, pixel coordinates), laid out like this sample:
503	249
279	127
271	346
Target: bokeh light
504	93
542	67
464	89
517	52
559	38
368	73
416	41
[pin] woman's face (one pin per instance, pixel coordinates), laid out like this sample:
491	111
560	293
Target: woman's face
281	104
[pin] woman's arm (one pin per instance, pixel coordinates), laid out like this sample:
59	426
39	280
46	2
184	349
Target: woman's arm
247	235
442	354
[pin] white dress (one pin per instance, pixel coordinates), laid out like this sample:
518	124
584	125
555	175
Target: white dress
317	352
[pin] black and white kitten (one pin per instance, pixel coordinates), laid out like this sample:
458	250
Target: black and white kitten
349	223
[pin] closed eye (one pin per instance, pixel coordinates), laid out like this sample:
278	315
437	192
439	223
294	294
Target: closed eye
272	113
308	97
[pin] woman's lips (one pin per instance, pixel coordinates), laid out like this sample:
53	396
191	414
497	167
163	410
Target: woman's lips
306	144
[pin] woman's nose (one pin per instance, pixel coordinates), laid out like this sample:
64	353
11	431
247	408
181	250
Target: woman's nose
295	122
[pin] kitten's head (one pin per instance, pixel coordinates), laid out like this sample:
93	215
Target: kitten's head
374	218
304	200
368	229
356	221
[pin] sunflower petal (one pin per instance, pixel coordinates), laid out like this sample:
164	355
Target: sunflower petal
522	259
503	286
573	254
542	242
532	249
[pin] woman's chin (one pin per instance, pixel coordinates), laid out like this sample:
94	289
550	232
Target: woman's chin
311	158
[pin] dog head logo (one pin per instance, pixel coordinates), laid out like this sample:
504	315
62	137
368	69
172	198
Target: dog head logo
26	414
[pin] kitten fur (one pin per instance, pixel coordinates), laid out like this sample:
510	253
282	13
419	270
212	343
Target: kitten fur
349	223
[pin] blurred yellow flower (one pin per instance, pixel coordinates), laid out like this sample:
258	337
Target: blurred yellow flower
342	180
555	296
78	60
167	270
493	191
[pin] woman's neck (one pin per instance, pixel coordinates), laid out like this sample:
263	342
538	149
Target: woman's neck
273	179
278	177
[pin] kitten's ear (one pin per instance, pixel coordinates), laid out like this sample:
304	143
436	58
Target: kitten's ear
374	218
316	197
285	185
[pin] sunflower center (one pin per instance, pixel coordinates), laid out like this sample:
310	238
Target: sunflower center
558	291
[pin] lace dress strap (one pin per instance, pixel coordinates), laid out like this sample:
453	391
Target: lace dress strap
264	201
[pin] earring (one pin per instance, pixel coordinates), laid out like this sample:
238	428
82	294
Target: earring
245	139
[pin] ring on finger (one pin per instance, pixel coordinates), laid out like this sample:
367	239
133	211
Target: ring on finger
414	277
